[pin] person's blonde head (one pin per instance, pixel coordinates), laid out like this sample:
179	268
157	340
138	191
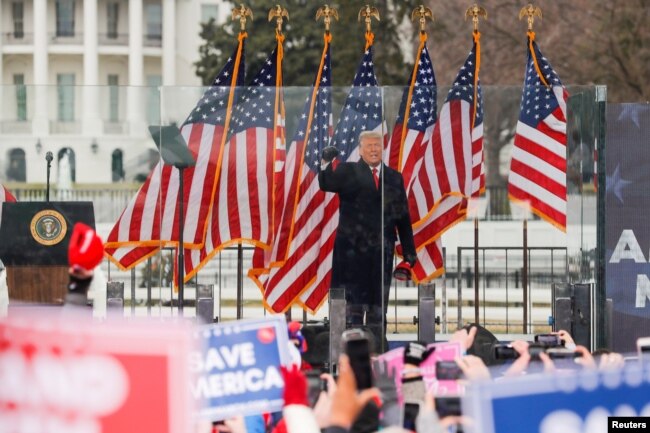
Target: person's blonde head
370	147
369	134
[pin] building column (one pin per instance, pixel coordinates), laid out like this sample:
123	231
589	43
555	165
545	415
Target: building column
40	124
92	125
169	43
135	108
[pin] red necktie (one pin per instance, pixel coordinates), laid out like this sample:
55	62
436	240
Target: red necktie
374	176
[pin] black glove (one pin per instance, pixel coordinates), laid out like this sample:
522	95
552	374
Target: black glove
410	259
79	285
329	153
416	352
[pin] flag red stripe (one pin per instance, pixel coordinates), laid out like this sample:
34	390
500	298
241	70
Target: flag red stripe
538	206
540	151
539	178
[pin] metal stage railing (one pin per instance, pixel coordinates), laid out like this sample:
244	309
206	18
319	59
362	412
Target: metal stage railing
148	289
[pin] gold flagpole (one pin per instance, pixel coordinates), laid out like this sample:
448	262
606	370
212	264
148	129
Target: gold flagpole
475	12
530	12
367	13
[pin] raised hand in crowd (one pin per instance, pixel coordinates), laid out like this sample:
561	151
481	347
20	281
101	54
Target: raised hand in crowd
385	382
465	337
609	361
347	403
297	415
473	367
566	338
520	364
586	359
323	406
547	362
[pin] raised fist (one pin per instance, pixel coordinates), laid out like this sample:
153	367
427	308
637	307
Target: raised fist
329	153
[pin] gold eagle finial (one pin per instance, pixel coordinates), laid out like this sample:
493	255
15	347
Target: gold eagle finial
422	13
475	11
530	12
327	13
242	13
278	12
367	12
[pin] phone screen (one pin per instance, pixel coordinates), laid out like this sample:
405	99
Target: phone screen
359	353
551	340
411	411
448	370
313	387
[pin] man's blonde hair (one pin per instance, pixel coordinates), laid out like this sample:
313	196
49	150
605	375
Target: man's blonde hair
369	134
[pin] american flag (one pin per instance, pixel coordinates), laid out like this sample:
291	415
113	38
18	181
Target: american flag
407	143
150	220
452	170
243	204
309	218
362	111
5	196
407	146
538	167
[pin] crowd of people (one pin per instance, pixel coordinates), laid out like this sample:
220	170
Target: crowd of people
341	407
382	399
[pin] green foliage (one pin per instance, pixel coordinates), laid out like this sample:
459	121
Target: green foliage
304	42
158	269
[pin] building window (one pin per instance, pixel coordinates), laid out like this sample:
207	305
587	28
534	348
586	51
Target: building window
17	169
112	14
113	98
209	12
21	97
153	99
65	91
65	18
67	168
154	22
18	13
117	165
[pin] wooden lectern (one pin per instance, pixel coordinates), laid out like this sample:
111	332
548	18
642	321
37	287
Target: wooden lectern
34	239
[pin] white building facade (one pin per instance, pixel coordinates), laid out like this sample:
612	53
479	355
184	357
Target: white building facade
82	79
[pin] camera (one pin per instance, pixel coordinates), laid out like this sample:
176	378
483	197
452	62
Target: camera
448	370
549	340
356	345
561	353
504	352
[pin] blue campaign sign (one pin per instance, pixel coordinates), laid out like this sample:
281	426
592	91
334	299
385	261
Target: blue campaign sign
627	233
567	402
238	370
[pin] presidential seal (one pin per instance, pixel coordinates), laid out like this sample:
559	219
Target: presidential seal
48	227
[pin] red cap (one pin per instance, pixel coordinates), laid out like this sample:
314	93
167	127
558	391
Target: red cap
86	249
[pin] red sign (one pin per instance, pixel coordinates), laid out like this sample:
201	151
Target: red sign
68	374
